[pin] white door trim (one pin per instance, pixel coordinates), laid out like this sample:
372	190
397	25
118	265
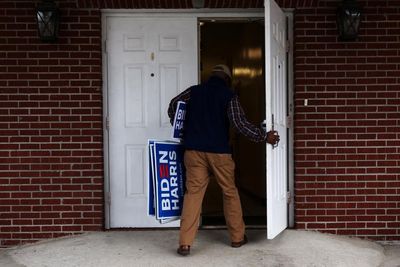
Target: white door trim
290	84
105	123
179	13
204	12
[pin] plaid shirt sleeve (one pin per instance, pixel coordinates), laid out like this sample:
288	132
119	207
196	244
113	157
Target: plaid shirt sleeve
184	96
241	124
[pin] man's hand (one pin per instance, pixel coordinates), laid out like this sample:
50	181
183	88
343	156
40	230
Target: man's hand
273	138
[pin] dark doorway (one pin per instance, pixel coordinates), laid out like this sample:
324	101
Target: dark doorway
239	45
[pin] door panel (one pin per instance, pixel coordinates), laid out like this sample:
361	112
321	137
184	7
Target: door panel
150	60
276	100
135	107
169	85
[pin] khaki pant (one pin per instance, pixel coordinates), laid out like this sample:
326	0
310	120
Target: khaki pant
199	166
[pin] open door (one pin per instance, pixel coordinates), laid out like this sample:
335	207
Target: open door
276	114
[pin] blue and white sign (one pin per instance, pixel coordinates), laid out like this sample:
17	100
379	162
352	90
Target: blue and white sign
169	179
179	120
166	180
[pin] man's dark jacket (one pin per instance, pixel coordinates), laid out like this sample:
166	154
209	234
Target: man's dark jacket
207	122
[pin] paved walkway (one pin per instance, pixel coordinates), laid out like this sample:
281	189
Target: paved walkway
157	248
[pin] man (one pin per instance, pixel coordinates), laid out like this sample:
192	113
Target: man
211	107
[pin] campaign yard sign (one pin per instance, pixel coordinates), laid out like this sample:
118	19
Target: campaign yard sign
166	180
179	120
169	174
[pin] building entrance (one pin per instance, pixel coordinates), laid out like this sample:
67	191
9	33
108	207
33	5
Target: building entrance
240	45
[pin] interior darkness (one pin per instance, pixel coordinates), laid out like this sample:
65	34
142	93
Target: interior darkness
239	45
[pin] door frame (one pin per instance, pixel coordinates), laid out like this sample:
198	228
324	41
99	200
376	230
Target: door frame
199	14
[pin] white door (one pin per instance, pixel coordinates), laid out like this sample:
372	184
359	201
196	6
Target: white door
150	60
276	99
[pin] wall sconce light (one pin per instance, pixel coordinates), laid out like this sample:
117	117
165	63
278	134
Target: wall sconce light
198	3
48	20
348	17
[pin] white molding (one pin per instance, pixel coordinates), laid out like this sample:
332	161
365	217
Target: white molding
105	124
291	218
204	12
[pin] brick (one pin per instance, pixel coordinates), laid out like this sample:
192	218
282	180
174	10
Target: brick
335	225
71	228
316	225
387	231
366	232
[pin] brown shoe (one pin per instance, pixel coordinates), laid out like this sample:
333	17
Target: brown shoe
240	243
183	250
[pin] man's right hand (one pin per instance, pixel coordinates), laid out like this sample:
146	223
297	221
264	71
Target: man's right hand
272	138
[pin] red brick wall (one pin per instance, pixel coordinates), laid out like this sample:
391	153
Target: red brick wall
347	140
51	156
347	148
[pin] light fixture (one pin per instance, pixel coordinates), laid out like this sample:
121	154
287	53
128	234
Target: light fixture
198	3
48	20
348	17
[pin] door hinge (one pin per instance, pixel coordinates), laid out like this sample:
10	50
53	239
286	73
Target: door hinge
105	46
108	198
289	121
288	197
107	123
287	46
